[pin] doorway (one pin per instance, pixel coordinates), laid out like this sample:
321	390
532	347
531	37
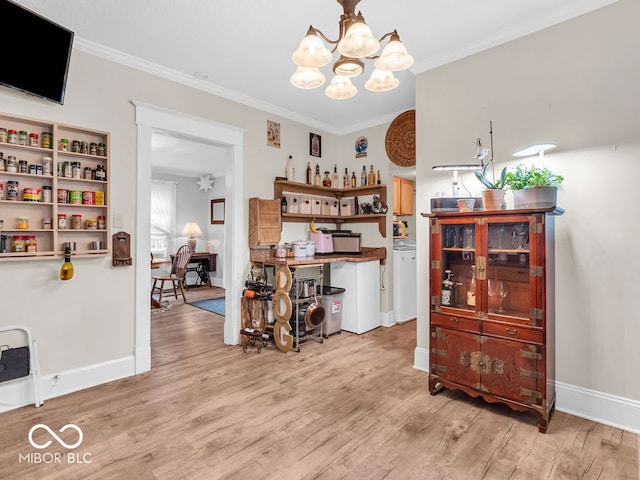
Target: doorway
151	118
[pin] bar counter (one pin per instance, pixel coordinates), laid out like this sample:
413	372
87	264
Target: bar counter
267	257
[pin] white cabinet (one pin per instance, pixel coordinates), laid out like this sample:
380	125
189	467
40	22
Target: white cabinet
361	300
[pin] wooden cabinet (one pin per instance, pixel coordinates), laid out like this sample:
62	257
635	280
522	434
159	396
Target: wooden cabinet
264	222
492	320
403	194
282	187
67	177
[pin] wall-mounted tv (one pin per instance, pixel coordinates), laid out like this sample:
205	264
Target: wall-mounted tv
36	53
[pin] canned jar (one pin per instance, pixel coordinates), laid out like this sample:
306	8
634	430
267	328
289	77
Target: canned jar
46	223
93	148
12	136
64	144
100	173
47	165
12	164
76	221
88	173
23	166
3	135
2	163
88	198
91	224
46	194
102	149
33	139
22	223
75	197
75	146
84	146
18	243
99	198
31	244
67	170
63	195
22	137
101	222
12	190
76	170
31	194
62	221
46	139
1	192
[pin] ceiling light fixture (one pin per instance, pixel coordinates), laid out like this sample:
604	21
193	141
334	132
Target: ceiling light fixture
355	42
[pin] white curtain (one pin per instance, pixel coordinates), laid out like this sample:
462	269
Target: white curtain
163	217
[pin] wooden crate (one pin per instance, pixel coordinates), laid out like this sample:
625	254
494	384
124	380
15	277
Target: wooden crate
265	223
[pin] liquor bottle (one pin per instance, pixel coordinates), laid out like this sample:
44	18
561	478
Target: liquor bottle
353	179
66	271
326	181
317	179
379	182
308	173
291	170
363	176
345	179
447	288
335	178
283	205
471	293
371	179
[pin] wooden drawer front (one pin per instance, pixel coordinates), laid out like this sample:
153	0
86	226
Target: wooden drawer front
511	331
455	321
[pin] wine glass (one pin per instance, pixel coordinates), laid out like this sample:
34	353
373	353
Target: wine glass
521	229
500	231
502	293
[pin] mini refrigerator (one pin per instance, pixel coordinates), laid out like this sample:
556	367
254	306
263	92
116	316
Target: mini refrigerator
361	298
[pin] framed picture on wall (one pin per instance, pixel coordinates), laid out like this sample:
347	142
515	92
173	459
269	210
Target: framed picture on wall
315	145
217	211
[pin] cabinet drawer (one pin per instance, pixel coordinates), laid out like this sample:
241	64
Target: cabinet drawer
516	332
456	321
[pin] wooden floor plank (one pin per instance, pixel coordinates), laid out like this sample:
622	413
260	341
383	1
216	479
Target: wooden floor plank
352	407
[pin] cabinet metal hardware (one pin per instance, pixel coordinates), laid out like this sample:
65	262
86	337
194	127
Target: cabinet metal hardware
481	267
438	351
530	373
533	354
454	319
512	331
435	264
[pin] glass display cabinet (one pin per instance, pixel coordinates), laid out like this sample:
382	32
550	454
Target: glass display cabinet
492	307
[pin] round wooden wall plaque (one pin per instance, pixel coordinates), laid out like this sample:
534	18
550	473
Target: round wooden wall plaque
401	139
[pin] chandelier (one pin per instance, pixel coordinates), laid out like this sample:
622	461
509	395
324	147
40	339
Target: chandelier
355	42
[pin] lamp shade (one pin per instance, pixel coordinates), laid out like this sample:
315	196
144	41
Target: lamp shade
358	41
394	56
192	230
381	81
340	88
307	78
348	67
311	53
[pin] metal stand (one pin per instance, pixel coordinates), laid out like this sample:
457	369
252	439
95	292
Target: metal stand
299	299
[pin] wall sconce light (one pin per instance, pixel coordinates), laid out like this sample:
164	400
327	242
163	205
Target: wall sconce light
192	230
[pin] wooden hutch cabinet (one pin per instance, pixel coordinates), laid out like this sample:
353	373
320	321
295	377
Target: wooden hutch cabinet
492	331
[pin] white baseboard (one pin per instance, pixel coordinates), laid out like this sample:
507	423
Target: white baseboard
618	412
387	319
18	393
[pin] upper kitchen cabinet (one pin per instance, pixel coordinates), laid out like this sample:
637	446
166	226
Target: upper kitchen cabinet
402	196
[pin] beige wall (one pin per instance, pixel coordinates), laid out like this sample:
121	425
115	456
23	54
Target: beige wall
576	84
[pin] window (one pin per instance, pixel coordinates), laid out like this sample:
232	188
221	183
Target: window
163	217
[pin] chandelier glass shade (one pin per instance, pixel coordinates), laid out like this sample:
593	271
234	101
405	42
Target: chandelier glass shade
355	44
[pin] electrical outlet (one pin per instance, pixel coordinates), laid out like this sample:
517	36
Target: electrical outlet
117	220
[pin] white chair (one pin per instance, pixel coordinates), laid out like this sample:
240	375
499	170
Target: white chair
13	365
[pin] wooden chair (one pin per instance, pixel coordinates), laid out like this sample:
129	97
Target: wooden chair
176	277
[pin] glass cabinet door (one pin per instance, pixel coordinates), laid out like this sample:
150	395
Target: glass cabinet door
458	285
508	268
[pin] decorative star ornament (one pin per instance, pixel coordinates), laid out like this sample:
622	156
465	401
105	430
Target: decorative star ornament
206	183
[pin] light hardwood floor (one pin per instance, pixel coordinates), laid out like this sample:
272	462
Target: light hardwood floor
350	408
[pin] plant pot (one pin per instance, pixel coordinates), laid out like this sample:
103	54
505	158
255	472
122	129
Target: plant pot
536	197
493	198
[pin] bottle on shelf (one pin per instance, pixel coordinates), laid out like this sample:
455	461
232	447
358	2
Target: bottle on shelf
353	179
66	271
317	180
371	179
283	205
308	173
326	181
335	178
447	288
471	293
291	169
363	176
345	179
379	182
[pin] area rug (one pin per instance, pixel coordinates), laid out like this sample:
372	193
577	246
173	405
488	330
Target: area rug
215	305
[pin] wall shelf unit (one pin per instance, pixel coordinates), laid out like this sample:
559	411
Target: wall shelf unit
55	171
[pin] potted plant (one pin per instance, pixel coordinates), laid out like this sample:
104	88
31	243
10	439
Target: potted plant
533	187
493	195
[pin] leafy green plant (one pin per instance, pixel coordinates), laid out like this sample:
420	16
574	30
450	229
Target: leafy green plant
524	177
495	184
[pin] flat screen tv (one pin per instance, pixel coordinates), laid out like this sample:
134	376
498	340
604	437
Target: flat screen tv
36	53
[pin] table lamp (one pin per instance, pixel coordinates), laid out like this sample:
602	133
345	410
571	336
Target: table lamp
192	230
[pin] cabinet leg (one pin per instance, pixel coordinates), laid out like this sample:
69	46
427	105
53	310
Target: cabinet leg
434	386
